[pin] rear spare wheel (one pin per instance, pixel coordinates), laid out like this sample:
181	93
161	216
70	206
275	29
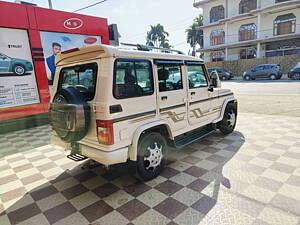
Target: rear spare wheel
70	115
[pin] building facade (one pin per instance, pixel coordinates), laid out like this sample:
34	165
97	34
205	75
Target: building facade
243	29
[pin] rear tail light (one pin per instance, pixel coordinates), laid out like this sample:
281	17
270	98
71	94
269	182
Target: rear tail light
105	132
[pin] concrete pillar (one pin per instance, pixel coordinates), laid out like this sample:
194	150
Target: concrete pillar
258	51
258	35
226	54
226	33
258	4
226	9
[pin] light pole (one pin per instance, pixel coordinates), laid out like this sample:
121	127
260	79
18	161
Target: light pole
50	4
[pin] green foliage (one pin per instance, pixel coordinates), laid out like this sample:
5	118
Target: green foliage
194	35
157	37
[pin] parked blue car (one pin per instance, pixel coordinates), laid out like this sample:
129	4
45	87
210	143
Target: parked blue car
294	73
15	66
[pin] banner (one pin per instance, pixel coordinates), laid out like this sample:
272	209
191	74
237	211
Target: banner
17	77
53	43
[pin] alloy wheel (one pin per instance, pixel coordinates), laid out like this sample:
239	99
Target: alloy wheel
153	157
19	70
231	119
296	76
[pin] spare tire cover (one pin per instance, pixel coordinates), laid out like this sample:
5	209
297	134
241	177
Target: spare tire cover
70	115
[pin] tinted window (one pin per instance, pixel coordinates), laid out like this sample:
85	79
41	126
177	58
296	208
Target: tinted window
259	68
197	76
82	77
132	78
169	77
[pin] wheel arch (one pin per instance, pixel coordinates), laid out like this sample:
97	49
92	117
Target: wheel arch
159	126
230	100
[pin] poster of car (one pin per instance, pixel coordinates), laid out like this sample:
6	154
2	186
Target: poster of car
17	77
54	43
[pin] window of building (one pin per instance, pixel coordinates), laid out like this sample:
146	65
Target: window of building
278	1
196	76
248	53
217	13
247	5
217	37
283	52
285	24
247	32
132	78
217	56
169	77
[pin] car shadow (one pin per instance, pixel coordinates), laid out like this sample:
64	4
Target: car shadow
14	75
91	193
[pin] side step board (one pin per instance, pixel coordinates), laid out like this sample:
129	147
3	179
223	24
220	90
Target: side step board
192	136
76	157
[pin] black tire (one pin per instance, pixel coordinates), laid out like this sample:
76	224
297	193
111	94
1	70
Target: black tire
223	78
296	76
273	77
247	77
225	125
70	115
19	70
148	141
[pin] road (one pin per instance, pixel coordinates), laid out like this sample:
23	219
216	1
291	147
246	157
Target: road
279	97
264	87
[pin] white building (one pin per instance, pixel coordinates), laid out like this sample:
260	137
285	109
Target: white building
241	29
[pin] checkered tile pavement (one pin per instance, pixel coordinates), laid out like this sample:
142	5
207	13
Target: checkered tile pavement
249	177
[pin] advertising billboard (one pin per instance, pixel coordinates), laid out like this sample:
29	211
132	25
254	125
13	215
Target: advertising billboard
17	76
53	43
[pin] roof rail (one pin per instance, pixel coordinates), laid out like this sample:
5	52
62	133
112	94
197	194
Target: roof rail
148	48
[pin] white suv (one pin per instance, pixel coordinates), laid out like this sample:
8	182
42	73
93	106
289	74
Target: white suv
114	105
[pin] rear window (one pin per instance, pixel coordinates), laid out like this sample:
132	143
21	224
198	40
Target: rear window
132	78
82	77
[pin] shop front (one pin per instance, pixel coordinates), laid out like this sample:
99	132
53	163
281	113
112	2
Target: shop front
30	39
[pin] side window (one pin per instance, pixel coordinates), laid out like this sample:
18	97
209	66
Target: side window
132	78
260	68
197	76
169	77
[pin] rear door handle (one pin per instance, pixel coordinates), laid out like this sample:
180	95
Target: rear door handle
164	98
193	93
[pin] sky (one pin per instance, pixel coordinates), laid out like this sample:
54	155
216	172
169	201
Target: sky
134	17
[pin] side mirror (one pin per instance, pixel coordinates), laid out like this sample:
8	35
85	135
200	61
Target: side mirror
215	80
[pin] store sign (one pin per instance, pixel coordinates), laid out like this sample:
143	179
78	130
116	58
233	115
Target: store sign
73	23
17	76
53	43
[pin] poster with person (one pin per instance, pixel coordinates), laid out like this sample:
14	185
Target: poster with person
18	84
53	43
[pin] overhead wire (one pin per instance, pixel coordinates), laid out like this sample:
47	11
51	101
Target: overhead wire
86	7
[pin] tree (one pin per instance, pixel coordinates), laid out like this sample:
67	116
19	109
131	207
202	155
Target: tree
157	37
194	34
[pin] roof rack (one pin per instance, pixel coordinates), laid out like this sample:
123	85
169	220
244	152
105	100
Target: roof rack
147	48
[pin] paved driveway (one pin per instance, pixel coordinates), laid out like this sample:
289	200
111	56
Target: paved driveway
249	177
279	97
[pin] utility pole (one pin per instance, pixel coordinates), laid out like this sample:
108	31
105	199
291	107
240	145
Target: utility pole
50	4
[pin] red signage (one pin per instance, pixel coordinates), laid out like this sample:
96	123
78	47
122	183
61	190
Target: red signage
35	21
73	23
90	40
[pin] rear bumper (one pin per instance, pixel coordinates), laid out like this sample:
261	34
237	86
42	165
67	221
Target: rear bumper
104	157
